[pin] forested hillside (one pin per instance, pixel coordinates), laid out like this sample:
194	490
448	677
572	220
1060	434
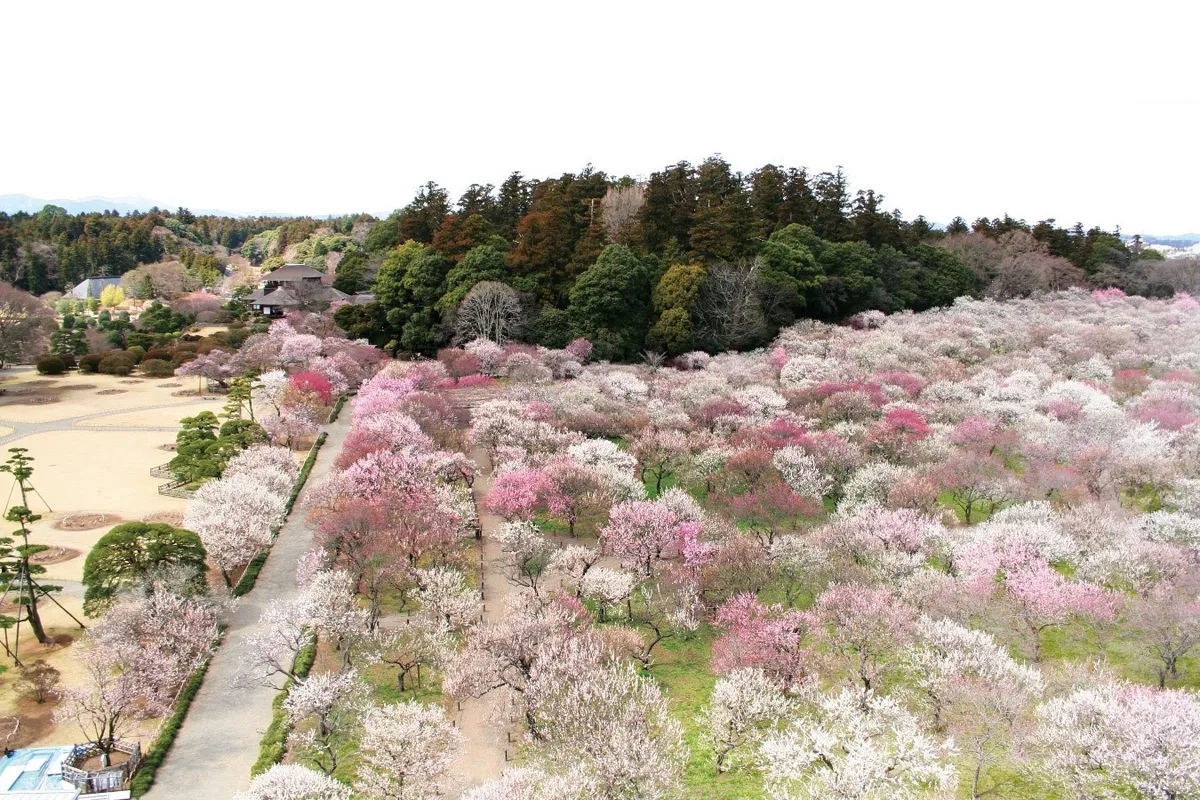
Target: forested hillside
695	256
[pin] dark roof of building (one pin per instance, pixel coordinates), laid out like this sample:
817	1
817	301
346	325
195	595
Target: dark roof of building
279	297
292	272
257	294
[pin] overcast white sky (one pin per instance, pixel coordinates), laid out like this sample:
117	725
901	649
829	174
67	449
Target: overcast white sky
1077	110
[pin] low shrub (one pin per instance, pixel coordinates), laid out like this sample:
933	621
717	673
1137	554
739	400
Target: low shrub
181	357
91	362
159	353
69	360
51	365
118	363
137	351
157	368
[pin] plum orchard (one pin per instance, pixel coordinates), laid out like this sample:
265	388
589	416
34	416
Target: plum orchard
941	554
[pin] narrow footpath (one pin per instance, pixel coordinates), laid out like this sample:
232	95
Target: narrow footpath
219	741
485	737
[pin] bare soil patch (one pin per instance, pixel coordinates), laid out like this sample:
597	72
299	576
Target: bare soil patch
86	521
32	722
55	555
78	387
42	382
167	517
94	763
42	399
167	385
131	380
112	391
169	447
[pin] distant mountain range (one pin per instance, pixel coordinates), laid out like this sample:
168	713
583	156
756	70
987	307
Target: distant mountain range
12	203
1182	240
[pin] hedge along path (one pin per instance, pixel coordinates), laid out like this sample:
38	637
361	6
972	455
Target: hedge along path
219	741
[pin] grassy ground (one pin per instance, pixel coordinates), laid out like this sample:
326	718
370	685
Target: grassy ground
682	668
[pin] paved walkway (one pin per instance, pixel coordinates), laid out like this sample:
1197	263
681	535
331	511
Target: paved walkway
218	743
23	429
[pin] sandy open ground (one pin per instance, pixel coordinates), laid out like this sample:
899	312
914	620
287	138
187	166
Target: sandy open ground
79	468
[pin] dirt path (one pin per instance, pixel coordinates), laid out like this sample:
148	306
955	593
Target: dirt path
485	740
219	741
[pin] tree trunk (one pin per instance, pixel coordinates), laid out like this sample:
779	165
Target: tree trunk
35	619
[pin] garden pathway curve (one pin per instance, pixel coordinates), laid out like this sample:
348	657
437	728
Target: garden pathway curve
218	743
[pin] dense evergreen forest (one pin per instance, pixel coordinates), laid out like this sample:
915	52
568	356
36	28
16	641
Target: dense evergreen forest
695	256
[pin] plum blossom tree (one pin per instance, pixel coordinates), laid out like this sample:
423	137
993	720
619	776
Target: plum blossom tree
268	657
660	454
607	588
233	517
334	614
294	782
855	746
800	471
745	706
331	702
518	493
1169	619
574	562
1043	598
526	553
501	656
134	659
770	638
865	625
273	467
640	531
404	751
617	729
1122	740
974	688
217	366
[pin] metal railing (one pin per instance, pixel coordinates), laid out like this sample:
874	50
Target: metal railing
103	779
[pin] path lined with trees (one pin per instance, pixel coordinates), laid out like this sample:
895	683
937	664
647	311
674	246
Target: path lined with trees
484	739
219	742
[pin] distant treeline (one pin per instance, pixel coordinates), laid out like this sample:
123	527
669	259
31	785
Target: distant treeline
669	253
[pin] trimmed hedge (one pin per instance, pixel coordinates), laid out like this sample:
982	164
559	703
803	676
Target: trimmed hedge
143	779
51	365
337	408
274	742
250	576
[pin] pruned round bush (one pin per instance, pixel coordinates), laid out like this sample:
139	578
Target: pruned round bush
51	365
118	363
91	362
180	357
161	353
137	351
68	360
157	368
